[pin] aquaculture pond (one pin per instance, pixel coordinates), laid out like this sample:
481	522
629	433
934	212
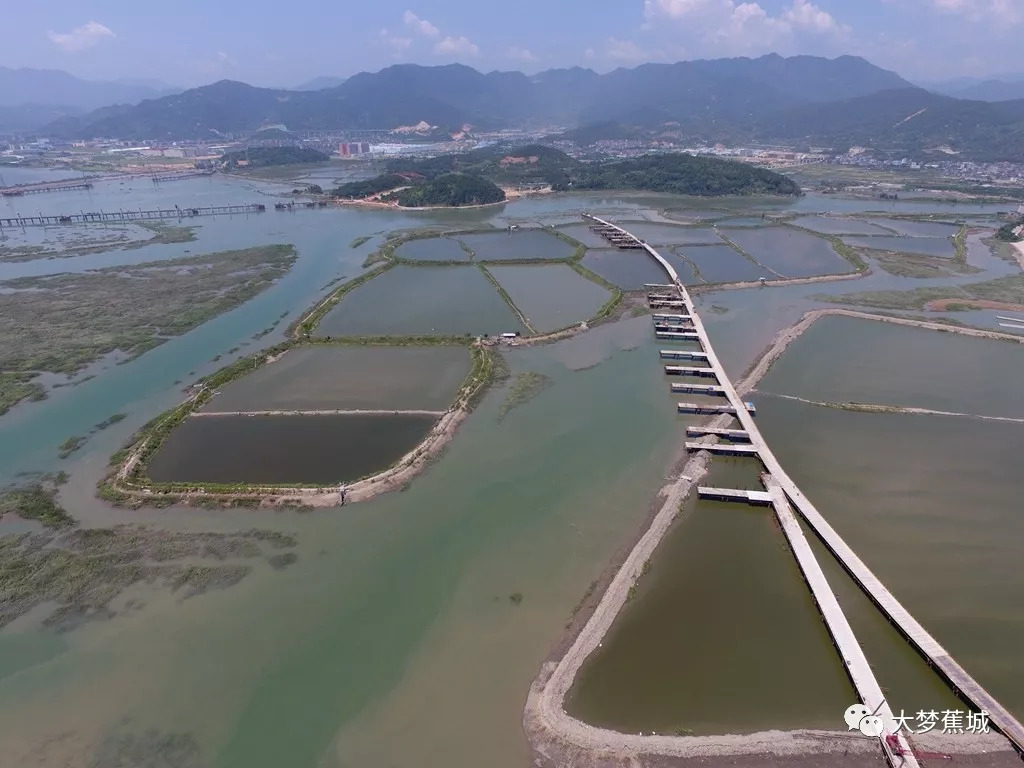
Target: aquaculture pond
584	234
913	228
523	244
628	269
724	264
789	252
432	249
926	246
406	300
681	656
932	506
350	377
669	234
552	296
835	225
286	449
845	359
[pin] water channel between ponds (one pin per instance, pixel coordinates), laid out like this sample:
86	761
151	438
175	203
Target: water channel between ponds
377	646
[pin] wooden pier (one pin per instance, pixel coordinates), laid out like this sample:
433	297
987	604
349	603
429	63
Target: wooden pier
685	388
728	434
180	176
678	335
682	354
673	319
45	186
723	448
761	498
125	215
702	409
682	370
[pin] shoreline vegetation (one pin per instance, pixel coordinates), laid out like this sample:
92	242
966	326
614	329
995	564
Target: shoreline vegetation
559	737
62	323
163	234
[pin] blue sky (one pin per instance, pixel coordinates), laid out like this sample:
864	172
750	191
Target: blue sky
190	42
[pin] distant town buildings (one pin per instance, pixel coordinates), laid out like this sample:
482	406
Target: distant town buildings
352	148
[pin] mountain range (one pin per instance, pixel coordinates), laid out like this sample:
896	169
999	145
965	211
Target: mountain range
802	99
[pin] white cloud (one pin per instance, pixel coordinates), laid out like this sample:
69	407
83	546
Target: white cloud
398	44
522	54
457	46
421	26
627	51
806	15
226	60
995	11
80	38
728	26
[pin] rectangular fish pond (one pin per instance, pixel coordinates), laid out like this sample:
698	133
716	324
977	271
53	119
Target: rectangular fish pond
429	301
551	296
790	252
349	378
521	245
286	450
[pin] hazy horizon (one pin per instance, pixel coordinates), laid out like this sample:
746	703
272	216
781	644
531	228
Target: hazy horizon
922	40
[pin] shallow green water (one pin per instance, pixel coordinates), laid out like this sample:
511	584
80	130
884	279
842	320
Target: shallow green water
926	246
585	235
378	646
343	378
393	604
919	228
839	226
670	234
932	505
845	359
432	249
552	296
720	626
724	264
523	244
436	301
789	252
628	269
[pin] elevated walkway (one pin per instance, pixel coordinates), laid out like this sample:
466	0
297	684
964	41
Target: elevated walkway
681	370
683	388
682	354
728	434
761	498
723	448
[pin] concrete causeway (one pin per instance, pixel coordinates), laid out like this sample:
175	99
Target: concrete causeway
782	492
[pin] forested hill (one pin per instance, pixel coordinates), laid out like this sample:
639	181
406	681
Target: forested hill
452	190
683	174
534	165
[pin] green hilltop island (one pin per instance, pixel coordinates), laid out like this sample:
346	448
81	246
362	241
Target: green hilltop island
485	176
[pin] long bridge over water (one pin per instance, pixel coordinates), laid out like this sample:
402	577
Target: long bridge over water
783	495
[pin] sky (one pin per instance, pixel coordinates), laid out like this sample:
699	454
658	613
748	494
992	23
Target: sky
191	42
